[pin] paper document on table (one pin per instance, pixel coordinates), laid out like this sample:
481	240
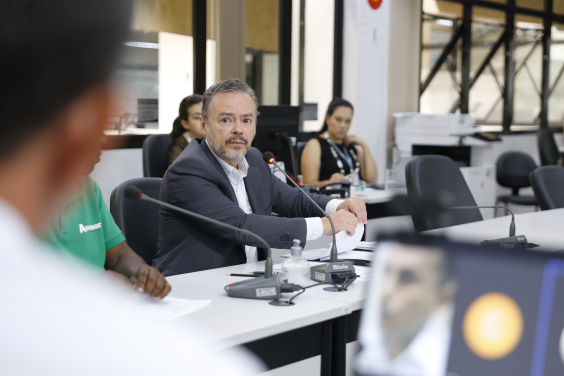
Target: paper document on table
368	246
363	272
313	254
352	256
345	243
166	309
278	267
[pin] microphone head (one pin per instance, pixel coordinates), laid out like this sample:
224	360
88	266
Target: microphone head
133	193
268	157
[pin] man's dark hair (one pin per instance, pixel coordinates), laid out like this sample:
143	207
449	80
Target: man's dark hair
51	52
230	85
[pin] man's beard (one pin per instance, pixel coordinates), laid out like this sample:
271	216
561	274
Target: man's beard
218	148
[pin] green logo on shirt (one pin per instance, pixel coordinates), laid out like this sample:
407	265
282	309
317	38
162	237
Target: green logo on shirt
89	227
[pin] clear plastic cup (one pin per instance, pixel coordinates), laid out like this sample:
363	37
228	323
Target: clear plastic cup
390	182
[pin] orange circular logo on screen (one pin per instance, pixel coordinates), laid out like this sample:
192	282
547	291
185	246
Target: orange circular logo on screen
375	4
493	326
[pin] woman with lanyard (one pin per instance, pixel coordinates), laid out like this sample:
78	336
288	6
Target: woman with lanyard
333	156
186	126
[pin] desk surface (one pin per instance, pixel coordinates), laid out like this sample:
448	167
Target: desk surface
545	228
232	321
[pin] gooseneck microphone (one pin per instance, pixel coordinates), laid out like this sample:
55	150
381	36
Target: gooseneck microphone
264	288
268	157
511	226
519	241
335	271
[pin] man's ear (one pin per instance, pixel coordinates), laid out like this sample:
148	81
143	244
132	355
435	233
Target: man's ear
204	128
78	134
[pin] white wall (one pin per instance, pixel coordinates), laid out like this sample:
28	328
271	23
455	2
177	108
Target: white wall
115	167
403	62
318	58
176	74
269	79
365	73
176	79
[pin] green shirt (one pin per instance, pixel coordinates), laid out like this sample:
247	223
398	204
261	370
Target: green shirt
86	228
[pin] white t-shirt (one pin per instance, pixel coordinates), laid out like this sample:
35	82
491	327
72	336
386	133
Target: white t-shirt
53	321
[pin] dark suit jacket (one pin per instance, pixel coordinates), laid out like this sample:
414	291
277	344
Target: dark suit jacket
197	182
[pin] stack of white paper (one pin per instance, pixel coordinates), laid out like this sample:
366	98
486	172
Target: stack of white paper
165	309
345	243
278	267
367	246
352	256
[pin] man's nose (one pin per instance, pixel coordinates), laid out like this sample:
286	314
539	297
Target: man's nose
237	127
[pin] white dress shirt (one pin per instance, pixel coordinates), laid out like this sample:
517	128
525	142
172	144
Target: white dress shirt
56	321
426	355
236	176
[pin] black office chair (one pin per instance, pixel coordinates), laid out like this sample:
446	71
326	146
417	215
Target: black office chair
155	160
549	154
438	178
301	146
512	171
548	183
138	220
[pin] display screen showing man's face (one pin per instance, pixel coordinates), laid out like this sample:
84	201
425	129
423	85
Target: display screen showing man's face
413	287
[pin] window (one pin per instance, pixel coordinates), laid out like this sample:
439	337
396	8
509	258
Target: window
491	100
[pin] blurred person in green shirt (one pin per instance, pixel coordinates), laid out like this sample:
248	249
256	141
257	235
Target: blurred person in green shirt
86	230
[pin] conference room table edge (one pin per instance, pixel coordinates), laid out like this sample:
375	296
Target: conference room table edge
324	333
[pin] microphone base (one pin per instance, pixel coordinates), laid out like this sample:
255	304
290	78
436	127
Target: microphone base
519	241
259	288
281	303
334	289
332	273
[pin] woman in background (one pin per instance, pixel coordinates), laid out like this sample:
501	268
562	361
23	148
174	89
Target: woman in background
186	126
332	155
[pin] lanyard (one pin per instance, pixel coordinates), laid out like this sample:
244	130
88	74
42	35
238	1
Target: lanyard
346	156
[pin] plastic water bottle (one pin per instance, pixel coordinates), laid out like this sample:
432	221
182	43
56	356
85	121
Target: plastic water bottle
296	268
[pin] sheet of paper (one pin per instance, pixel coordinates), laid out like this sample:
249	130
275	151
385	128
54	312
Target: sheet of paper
313	254
347	243
368	246
166	309
352	255
278	267
363	272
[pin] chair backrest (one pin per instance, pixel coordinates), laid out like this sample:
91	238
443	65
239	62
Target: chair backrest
547	147
513	169
301	146
155	155
138	220
438	178
548	185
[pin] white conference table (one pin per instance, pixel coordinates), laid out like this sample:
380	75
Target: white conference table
316	324
374	196
545	228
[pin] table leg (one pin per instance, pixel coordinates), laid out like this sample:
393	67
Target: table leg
326	347
339	358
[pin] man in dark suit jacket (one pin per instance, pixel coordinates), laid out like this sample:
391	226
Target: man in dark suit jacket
223	178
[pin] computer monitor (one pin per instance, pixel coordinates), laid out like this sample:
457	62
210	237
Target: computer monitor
435	309
277	131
